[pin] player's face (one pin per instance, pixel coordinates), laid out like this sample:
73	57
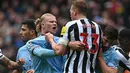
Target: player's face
50	24
25	33
105	41
125	43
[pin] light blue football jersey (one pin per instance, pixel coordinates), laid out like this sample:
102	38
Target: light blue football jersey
111	58
25	54
43	57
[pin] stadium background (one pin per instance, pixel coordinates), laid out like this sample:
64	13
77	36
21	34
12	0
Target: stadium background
13	12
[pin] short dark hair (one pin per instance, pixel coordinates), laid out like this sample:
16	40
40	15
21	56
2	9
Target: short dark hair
111	32
30	24
81	6
124	34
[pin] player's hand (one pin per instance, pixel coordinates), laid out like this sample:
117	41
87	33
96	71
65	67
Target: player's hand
1	55
49	37
15	65
20	62
30	71
126	71
76	45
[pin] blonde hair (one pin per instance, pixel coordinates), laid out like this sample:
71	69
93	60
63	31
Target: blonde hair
81	6
37	21
46	14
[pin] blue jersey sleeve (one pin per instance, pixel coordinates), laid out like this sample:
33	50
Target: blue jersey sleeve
44	53
40	51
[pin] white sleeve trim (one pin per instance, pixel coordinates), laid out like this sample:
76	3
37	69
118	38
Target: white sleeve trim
63	41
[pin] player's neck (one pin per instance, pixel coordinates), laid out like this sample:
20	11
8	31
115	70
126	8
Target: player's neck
80	16
43	33
33	36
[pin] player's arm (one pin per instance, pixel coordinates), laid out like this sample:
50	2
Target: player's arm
63	43
59	49
124	59
10	64
76	45
39	51
105	68
103	65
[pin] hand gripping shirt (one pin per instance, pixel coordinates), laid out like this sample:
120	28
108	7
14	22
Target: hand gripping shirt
43	57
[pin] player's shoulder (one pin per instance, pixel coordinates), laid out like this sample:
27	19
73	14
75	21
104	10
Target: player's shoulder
116	47
22	48
119	50
39	38
68	24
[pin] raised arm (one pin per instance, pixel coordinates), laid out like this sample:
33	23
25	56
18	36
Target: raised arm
62	47
59	49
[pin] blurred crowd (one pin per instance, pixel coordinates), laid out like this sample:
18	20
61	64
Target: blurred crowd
13	12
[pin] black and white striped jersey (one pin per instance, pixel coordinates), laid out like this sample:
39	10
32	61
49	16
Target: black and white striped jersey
90	34
124	61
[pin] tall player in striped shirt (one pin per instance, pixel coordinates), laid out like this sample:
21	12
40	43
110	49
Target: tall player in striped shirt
80	29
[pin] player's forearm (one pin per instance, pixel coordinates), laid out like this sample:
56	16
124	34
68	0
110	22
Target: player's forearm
76	45
58	48
44	53
104	67
11	64
7	62
4	61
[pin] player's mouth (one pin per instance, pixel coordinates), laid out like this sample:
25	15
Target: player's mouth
54	28
21	36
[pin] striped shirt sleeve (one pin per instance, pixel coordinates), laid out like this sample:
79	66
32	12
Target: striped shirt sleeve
124	59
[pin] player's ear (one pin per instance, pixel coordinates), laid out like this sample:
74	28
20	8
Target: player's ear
75	12
42	24
32	32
